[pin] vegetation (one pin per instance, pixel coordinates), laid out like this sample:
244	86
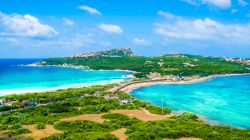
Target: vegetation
40	125
72	102
158	110
114	116
172	64
184	128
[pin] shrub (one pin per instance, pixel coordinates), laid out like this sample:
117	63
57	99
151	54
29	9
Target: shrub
114	116
15	126
187	116
40	125
6	108
22	131
158	110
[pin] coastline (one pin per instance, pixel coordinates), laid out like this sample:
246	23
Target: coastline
63	87
191	80
132	85
76	67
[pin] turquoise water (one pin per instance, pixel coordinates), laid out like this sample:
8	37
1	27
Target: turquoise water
222	100
22	79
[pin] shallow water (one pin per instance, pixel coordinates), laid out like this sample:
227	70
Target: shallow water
222	100
22	79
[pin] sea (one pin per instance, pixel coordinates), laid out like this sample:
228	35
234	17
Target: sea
17	78
220	101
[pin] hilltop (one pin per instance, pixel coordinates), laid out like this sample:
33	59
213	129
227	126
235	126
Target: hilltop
121	52
169	64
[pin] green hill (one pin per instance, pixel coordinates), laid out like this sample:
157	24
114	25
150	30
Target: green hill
170	64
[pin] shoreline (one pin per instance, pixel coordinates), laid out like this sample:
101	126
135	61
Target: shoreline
136	85
77	67
192	81
63	87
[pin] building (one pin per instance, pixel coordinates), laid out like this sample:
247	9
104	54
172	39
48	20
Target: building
2	102
97	94
124	102
179	78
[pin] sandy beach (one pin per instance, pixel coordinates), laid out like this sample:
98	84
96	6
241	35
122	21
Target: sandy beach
132	85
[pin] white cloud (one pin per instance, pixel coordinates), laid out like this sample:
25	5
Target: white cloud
141	41
242	3
182	28
192	2
90	10
68	22
218	3
24	25
109	28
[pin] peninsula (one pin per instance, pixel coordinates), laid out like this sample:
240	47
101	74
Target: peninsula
106	111
168	68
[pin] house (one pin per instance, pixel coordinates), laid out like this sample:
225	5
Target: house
124	102
110	96
27	103
97	94
2	102
33	104
188	64
160	64
179	78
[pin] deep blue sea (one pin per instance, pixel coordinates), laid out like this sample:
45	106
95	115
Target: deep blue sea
21	79
222	100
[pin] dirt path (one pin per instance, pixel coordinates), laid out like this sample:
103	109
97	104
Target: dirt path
142	114
92	117
37	134
120	133
139	114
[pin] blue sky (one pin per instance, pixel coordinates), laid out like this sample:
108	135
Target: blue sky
52	28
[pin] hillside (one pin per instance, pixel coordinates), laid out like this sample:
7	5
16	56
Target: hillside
170	64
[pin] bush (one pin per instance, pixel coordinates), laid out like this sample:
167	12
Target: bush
187	116
158	110
140	103
114	116
40	125
6	108
83	136
22	131
61	107
15	126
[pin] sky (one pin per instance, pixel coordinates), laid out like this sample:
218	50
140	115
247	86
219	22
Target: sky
54	28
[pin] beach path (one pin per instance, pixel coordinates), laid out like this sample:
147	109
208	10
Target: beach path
142	114
120	133
37	134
